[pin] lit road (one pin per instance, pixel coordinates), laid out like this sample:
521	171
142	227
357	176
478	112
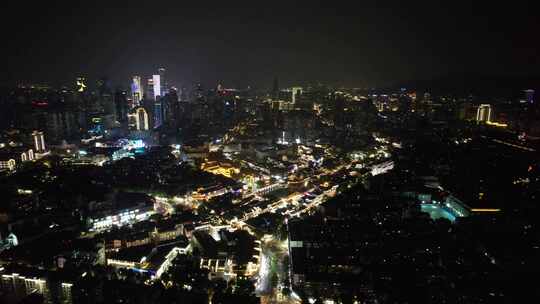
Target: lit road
293	203
272	276
263	286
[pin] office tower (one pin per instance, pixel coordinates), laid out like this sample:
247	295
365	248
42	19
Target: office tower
121	105
39	141
171	107
158	87
158	112
106	102
295	92
166	107
156	80
80	84
150	88
141	119
483	113
57	125
163	82
529	96
136	91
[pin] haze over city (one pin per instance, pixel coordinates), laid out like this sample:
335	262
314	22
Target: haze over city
278	152
241	43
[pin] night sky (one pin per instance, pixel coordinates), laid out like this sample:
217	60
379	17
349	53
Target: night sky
240	43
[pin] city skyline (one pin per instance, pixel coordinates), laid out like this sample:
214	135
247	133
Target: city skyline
243	45
157	152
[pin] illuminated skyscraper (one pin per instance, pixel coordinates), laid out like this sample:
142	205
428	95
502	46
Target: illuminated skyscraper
39	141
140	118
137	90
483	113
149	89
156	81
163	82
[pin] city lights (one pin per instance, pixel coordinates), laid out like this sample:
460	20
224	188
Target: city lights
269	153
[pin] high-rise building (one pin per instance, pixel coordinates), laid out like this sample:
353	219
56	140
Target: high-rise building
156	80
39	141
295	92
106	103
483	113
59	125
163	82
529	96
150	88
158	112
121	105
140	118
136	90
171	107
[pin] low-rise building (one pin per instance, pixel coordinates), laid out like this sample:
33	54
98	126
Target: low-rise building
10	157
127	208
